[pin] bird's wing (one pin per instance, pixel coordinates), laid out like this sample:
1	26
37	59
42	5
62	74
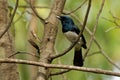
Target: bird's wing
77	30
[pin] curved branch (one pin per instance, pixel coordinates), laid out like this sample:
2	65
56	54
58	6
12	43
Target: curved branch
59	73
23	53
25	6
12	17
35	12
92	70
76	8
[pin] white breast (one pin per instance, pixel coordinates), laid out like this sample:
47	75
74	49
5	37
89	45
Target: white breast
71	36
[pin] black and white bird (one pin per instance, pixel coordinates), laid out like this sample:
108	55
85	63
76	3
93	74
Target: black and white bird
71	31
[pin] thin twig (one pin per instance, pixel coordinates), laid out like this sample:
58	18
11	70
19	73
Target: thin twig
111	28
113	21
59	73
26	6
95	27
36	37
97	52
19	17
23	53
34	45
83	27
35	12
55	66
113	15
76	8
11	19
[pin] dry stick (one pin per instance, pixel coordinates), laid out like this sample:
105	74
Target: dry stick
94	30
59	73
97	52
83	27
76	8
10	22
25	6
35	12
92	70
23	53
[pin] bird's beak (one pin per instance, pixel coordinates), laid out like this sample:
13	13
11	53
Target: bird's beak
58	17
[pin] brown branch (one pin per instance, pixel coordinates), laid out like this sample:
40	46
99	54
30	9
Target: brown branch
94	30
94	53
23	53
59	73
83	27
92	70
26	6
34	45
76	8
35	12
10	22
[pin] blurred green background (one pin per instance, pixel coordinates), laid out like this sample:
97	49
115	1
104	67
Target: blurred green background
107	35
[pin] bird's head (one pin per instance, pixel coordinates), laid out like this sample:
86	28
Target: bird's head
67	23
65	20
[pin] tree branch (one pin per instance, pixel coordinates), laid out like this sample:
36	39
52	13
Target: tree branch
76	8
92	70
35	12
23	54
60	72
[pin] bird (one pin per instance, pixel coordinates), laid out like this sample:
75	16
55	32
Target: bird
71	31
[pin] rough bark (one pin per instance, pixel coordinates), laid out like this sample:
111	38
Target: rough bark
50	32
7	71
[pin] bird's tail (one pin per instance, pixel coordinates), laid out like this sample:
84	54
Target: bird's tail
78	60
